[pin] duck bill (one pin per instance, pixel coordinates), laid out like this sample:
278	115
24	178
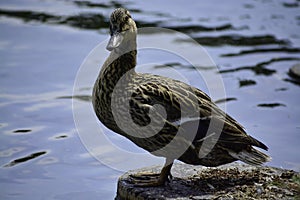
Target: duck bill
114	41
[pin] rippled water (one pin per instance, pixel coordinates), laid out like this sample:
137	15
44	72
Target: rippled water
43	43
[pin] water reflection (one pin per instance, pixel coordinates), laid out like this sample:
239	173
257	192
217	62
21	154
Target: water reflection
11	151
22	131
295	82
224	100
96	5
246	82
281	89
84	20
24	159
48	160
240	40
27	16
78	97
259	68
291	4
270	105
183	66
264	50
61	137
198	28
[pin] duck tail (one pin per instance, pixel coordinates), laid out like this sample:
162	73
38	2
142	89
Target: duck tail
257	143
251	156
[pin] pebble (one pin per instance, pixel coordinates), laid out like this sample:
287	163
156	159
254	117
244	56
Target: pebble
295	71
259	188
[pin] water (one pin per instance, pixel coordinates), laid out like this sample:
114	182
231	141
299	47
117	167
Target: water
43	43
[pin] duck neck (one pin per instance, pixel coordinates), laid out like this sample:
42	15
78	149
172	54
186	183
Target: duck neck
112	71
118	66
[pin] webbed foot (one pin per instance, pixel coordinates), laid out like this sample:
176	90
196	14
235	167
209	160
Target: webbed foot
152	179
148	180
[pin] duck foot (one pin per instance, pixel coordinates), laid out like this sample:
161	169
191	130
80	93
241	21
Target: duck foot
148	180
151	179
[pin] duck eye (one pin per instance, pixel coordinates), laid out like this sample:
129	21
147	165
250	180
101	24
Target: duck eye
126	18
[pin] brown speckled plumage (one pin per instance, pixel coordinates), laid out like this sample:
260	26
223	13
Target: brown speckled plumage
177	98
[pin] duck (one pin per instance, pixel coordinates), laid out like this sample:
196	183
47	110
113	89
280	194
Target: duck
166	117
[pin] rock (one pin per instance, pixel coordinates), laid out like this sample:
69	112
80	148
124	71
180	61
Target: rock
231	181
294	71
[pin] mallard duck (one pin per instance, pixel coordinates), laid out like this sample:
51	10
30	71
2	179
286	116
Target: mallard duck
166	117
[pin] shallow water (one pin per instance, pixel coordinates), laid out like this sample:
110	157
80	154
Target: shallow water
42	46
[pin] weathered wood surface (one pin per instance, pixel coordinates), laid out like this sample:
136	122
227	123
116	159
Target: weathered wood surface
232	181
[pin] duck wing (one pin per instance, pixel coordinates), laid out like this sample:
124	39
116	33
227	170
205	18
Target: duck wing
152	92
186	107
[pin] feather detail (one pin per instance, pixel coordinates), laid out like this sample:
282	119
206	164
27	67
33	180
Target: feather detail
251	156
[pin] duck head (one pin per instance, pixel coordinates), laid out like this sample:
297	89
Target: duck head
123	32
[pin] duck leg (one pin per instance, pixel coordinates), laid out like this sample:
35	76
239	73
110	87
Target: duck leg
153	180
